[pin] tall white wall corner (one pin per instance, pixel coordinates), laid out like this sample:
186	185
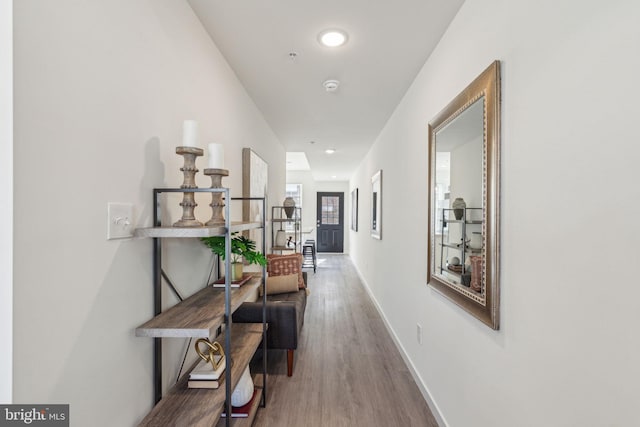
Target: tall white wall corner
6	200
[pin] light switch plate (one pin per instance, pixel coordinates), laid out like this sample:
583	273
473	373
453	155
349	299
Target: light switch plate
120	221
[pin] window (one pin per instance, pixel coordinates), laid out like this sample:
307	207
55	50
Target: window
295	191
330	210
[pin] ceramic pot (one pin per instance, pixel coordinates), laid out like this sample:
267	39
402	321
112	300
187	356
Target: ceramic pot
458	206
289	206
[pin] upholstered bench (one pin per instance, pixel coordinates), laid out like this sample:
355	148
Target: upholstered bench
285	316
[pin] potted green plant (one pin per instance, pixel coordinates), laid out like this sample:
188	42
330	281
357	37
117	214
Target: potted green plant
241	247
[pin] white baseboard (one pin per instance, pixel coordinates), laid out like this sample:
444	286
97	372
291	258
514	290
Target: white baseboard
414	373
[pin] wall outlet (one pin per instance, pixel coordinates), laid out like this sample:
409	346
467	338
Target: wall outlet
119	220
419	333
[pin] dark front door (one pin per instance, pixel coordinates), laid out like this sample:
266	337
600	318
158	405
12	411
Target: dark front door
330	222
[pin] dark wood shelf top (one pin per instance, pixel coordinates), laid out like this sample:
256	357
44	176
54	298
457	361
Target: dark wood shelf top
190	407
197	316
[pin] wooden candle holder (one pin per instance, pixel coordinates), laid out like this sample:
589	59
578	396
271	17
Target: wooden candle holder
217	201
188	200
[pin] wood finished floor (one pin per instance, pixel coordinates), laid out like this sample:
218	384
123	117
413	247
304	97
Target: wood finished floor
347	370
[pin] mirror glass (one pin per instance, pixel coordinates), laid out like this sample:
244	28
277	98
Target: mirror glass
463	190
459	179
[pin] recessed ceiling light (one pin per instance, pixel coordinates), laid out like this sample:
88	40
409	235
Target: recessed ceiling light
332	38
329	151
334	176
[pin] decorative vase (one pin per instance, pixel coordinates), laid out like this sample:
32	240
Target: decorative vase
466	279
281	238
236	271
458	206
244	390
476	240
289	206
476	273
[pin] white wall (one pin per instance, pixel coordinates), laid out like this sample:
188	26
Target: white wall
310	189
6	199
466	174
101	91
567	350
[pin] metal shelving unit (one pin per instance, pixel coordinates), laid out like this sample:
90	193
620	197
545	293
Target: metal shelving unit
291	226
460	242
202	315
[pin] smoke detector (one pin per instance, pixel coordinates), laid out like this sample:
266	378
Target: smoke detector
331	85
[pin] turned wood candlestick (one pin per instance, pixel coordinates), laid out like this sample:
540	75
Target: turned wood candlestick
217	201
188	200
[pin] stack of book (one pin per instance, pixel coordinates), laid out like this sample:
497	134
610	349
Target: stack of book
242	411
234	284
204	376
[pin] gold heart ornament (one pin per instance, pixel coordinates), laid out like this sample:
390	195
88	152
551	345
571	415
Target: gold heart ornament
211	350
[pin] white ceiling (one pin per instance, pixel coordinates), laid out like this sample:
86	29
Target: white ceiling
388	43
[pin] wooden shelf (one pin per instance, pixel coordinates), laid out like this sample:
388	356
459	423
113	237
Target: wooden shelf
459	221
194	231
452	272
285	219
284	248
458	247
452	246
197	316
191	407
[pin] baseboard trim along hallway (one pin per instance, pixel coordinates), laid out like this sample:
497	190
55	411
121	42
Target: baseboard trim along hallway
435	410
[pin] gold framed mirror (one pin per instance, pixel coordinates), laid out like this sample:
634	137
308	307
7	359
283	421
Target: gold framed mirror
464	202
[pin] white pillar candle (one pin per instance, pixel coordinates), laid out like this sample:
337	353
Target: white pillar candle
216	156
190	133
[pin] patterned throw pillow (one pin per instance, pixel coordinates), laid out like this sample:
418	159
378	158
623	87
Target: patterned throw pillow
282	265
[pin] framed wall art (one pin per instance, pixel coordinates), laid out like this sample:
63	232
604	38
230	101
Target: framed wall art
255	174
376	205
354	210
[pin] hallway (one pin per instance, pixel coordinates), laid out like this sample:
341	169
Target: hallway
347	370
